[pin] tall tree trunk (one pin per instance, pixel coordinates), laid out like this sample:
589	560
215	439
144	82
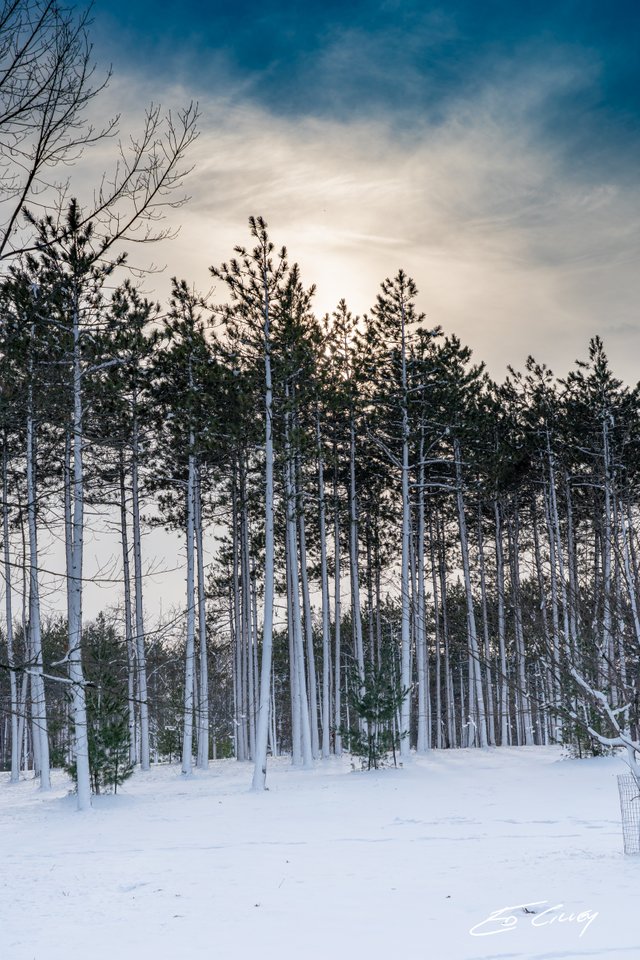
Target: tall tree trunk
607	635
525	726
337	619
485	628
248	684
189	675
474	651
548	682
203	712
38	699
262	733
505	724
128	633
572	565
238	630
356	618
294	685
439	738
308	623
405	711
13	686
422	653
141	659
307	755
452	740
74	579
324	584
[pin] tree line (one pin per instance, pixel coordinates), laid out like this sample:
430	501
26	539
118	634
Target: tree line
408	553
379	504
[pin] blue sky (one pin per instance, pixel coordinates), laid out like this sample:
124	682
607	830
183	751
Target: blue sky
488	147
405	58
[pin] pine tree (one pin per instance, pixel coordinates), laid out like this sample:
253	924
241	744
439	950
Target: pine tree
378	704
107	714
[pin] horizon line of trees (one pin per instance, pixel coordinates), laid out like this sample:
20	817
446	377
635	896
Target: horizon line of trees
409	553
384	511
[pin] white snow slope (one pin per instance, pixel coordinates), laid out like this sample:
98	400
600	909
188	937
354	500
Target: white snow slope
329	864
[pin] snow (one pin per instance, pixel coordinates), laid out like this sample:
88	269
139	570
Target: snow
329	863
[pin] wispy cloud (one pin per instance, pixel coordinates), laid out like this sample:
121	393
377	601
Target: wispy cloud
513	247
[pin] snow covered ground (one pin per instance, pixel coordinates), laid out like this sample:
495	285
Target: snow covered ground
329	864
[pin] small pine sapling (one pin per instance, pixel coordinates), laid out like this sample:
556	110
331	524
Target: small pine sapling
109	758
377	705
107	710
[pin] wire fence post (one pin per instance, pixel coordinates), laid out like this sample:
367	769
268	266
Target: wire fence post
629	790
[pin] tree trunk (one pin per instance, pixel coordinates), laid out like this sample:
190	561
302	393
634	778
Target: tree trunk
354	562
137	572
129	642
38	699
405	710
294	686
238	631
13	686
308	624
262	733
189	676
474	652
337	702
248	681
424	704
203	712
485	628
324	583
505	724
307	756
439	738
525	728
74	581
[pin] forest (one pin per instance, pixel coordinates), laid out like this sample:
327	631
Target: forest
405	550
408	555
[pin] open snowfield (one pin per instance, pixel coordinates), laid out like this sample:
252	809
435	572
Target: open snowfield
329	864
